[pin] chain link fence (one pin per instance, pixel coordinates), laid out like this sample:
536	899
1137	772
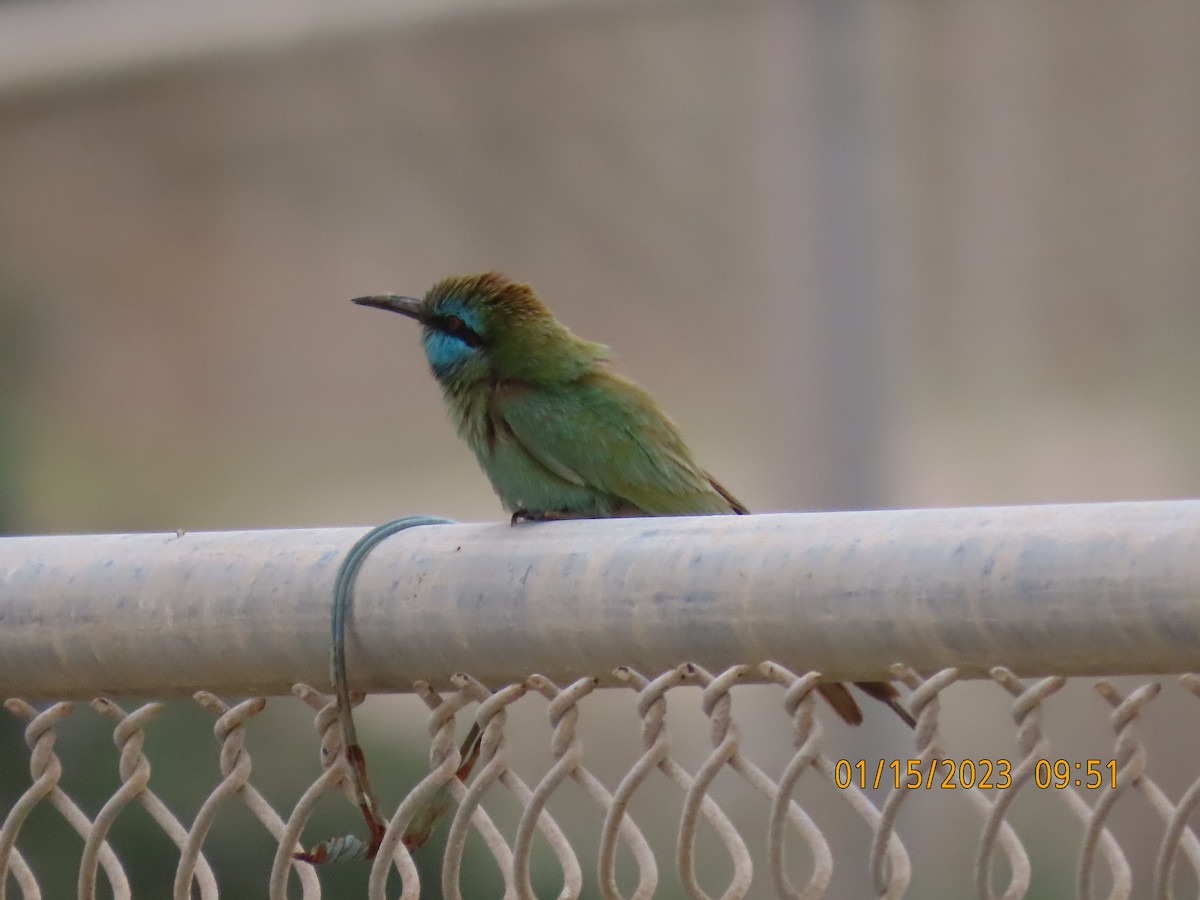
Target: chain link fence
636	780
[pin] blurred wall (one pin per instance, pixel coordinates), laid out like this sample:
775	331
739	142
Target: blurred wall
867	254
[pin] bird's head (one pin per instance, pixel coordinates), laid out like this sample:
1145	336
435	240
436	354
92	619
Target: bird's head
479	328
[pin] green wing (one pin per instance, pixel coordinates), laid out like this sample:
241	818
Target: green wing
607	433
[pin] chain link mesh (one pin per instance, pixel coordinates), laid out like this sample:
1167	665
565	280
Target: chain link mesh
750	810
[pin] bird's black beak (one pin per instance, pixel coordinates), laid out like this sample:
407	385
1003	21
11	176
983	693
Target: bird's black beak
406	306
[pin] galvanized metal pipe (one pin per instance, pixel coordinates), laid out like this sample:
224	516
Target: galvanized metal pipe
1079	589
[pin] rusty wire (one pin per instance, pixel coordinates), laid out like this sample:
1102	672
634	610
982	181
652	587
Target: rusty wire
785	819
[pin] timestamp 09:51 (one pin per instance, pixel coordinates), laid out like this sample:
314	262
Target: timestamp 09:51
912	774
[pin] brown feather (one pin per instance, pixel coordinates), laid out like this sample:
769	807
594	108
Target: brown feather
885	692
842	701
733	501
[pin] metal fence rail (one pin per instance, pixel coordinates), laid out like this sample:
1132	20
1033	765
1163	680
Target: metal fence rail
1021	597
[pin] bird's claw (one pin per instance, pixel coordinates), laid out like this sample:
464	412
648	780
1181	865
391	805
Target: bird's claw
523	516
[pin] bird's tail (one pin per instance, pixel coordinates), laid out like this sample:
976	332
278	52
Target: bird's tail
842	701
885	692
844	704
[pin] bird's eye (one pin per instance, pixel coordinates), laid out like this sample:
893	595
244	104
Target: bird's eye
456	327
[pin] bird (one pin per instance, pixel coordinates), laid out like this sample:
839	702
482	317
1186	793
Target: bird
557	432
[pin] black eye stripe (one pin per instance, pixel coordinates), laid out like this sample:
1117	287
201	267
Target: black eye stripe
456	327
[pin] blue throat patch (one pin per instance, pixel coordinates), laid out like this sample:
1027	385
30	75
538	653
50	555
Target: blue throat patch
445	352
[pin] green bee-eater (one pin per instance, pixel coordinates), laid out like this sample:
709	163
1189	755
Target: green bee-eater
559	434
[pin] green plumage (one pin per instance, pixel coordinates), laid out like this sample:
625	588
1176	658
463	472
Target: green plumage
595	446
556	432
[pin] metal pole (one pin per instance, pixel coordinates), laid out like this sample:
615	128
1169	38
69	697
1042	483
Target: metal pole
1080	589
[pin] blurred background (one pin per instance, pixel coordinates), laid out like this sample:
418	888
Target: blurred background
868	254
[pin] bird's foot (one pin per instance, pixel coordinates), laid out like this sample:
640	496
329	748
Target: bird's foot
522	516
